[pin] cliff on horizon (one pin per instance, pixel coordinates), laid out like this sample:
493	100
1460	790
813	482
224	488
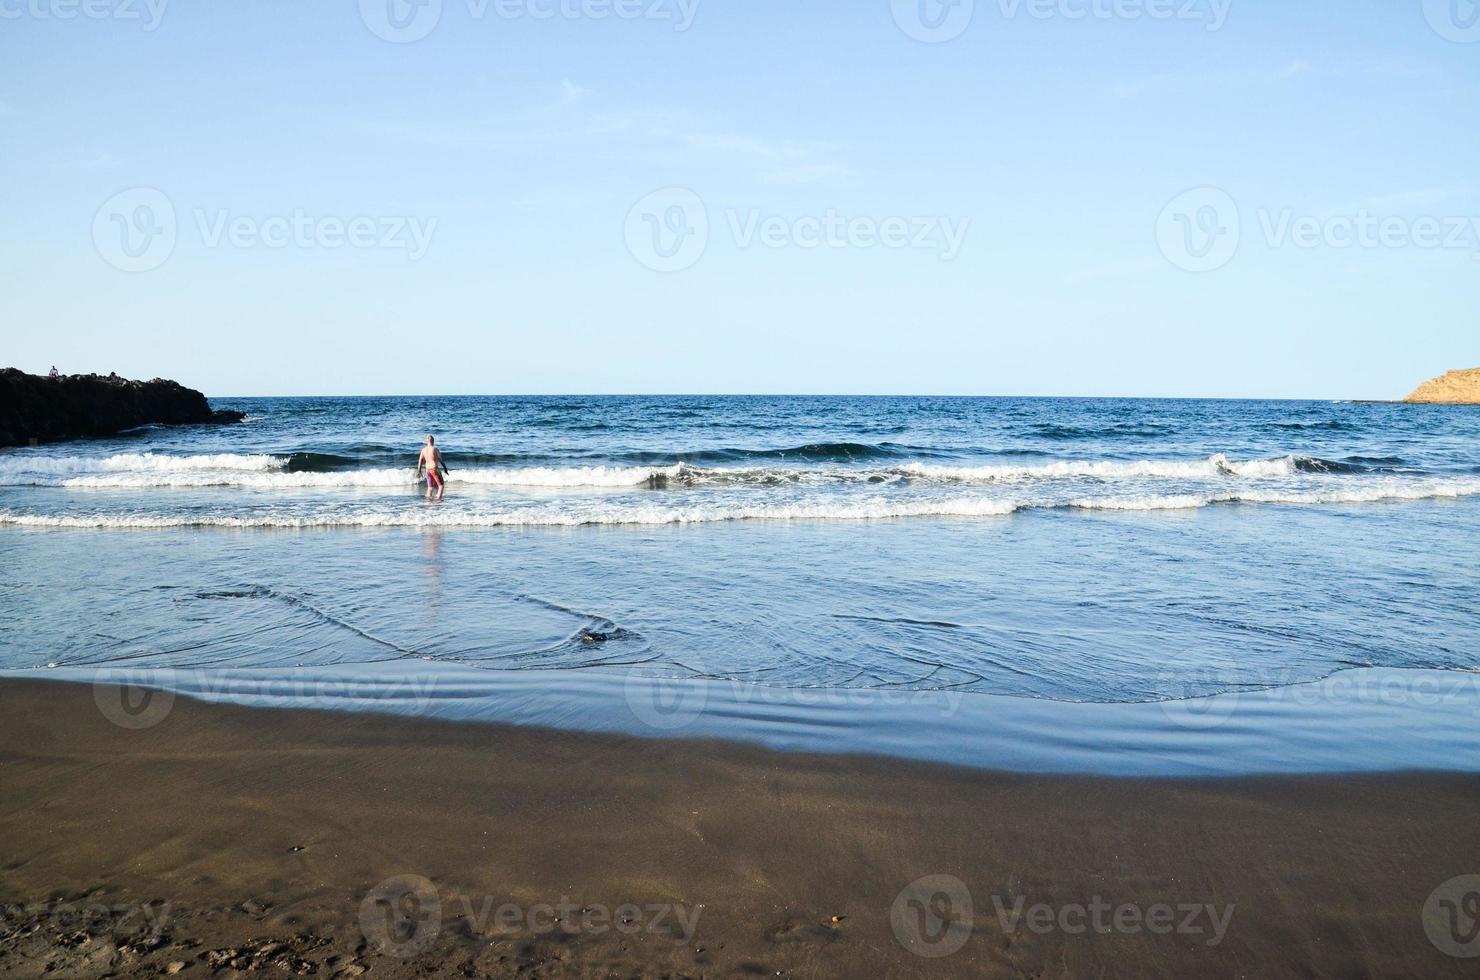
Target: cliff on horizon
1460	387
80	406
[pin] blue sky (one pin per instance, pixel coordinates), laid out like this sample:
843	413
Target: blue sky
757	196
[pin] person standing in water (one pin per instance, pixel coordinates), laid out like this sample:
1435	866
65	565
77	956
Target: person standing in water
430	462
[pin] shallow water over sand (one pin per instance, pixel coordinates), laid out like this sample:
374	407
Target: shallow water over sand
1103	552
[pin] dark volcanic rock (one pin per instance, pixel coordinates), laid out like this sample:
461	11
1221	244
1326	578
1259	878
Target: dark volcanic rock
81	406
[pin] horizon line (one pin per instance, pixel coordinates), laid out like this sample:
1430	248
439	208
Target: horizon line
762	394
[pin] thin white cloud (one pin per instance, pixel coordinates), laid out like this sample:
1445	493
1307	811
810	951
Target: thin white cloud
1169	82
1124	269
806	174
779	162
573	93
1417	199
1293	70
102	161
574	121
1402	68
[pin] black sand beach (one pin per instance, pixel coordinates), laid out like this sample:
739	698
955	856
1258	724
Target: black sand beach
228	841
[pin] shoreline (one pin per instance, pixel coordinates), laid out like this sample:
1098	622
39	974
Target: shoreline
232	838
1353	721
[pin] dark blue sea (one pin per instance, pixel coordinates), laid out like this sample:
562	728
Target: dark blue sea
1049	550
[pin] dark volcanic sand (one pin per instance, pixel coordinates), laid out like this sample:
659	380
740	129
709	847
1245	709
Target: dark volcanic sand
240	842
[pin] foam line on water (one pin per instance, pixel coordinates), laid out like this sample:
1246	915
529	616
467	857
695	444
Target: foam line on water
1200	469
636	511
596	476
265	472
22	470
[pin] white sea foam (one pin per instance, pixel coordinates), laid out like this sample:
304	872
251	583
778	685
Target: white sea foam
590	476
265	472
1366	493
416	516
635	511
1198	469
238	478
35	470
595	476
162	463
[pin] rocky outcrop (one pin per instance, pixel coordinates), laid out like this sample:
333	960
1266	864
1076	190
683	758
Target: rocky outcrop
81	406
1455	388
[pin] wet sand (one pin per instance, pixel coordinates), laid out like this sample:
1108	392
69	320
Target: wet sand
229	841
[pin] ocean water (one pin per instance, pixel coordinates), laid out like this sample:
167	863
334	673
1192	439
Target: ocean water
1107	551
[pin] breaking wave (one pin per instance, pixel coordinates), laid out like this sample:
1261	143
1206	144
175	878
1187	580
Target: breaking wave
328	471
1202	469
635	510
46	470
597	476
